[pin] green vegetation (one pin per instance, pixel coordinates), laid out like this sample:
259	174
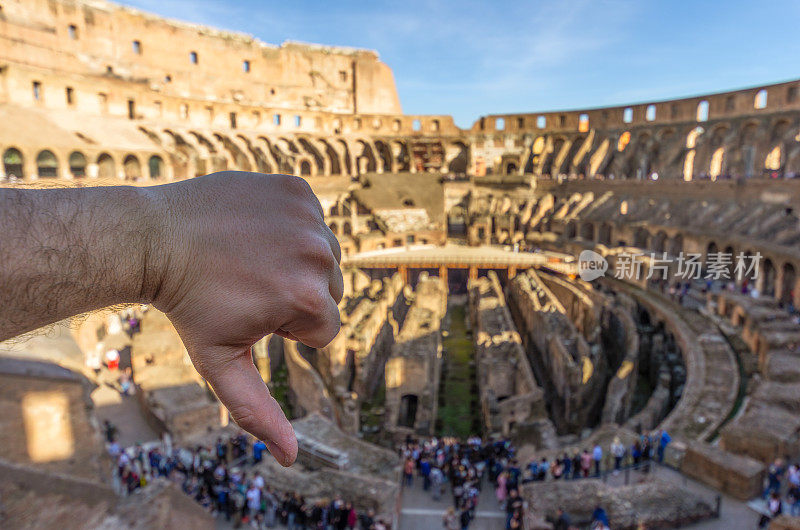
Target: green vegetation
279	388
458	401
372	415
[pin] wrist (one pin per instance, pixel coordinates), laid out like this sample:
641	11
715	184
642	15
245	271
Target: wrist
155	258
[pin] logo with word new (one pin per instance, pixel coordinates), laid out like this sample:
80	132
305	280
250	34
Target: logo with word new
591	265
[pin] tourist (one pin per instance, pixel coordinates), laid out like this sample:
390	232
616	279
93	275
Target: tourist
793	496
408	471
450	521
513	506
618	452
597	457
586	463
500	491
664	441
567	463
258	451
563	521
600	518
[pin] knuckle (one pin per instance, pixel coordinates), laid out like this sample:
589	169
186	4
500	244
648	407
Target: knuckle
245	417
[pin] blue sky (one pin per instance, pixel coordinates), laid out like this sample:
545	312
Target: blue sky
469	58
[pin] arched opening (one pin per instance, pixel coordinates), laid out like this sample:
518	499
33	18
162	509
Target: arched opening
46	164
587	231
105	166
715	169
730	255
333	228
458	164
768	275
305	168
385	154
641	238
511	168
760	101
347	228
788	282
571	230
156	167
675	247
605	235
12	163
77	165
407	415
660	242
132	168
702	111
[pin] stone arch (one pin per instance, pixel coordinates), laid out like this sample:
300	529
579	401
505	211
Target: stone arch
641	238
106	167
385	154
315	155
184	156
238	159
347	157
606	234
768	274
458	164
334	163
788	284
260	159
675	246
711	248
402	158
275	157
587	231
745	164
347	228
13	163
305	167
407	413
510	167
46	164
333	228
365	159
660	242
155	167
77	164
132	168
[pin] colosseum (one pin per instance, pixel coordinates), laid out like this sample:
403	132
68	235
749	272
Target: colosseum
550	318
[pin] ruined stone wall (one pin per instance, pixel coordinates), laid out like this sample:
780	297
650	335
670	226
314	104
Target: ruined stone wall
101	47
413	369
573	374
46	420
730	133
510	397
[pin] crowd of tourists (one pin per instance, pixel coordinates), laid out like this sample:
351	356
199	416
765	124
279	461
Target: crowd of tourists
455	472
781	490
222	479
447	465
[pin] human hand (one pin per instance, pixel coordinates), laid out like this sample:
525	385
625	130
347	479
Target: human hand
242	255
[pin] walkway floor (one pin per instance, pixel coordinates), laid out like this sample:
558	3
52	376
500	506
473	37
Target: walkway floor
122	411
421	512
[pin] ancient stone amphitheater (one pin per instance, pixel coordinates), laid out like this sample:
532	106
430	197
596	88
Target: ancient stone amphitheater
467	310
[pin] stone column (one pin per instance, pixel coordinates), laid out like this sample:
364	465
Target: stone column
473	273
443	274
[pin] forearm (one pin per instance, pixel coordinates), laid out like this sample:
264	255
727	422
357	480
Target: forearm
67	251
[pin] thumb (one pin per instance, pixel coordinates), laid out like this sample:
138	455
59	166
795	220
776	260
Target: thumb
239	386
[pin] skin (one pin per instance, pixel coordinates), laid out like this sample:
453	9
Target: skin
229	257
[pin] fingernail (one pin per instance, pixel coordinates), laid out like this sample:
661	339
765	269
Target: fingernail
278	453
